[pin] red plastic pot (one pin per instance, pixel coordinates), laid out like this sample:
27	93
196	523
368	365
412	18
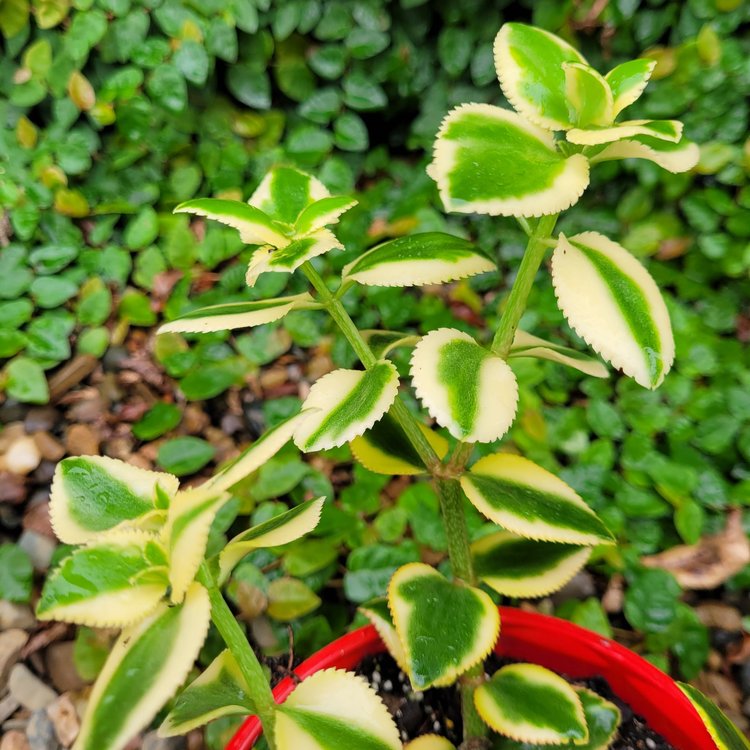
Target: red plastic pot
553	643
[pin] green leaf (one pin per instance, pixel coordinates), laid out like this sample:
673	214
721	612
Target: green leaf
382	343
589	96
185	455
344	404
528	703
49	13
519	567
453	377
26	381
192	61
322	212
142	229
489	160
158	420
674	157
52	291
219	691
428	258
285	192
722	731
111	583
526	345
627	82
350	132
612	302
530	65
167	86
147	664
438	649
334	709
94	494
290	599
378	613
16	573
136	309
662	130
529	501
11	342
14	15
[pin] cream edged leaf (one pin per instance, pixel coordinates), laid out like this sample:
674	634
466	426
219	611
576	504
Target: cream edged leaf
489	160
285	192
219	691
237	315
426	258
92	495
378	613
722	731
627	81
529	703
439	649
323	212
529	501
613	303
526	345
514	566
661	130
588	94
332	710
674	157
454	376
346	403
382	343
145	667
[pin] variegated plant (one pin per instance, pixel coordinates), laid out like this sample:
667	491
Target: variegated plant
141	562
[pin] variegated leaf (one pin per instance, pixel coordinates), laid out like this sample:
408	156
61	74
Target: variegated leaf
722	731
662	130
385	449
378	613
438	649
189	520
589	95
237	315
94	494
627	81
382	343
275	532
285	192
145	667
674	157
515	566
526	345
322	213
611	301
430	742
110	583
455	379
292	256
332	710
347	402
489	160
219	691
529	703
530	501
255	226
427	258
529	64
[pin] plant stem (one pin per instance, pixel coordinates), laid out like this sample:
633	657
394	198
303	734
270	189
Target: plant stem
452	506
519	293
252	671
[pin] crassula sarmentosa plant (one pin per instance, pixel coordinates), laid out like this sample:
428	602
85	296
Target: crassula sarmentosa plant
141	565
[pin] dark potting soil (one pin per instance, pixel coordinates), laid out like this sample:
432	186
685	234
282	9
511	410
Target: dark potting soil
438	711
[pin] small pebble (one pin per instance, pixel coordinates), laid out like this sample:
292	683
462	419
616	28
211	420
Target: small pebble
81	440
8	706
62	714
28	689
11	643
39	548
22	456
13	615
40	732
14	740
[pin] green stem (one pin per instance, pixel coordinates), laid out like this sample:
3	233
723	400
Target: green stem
519	293
236	641
454	519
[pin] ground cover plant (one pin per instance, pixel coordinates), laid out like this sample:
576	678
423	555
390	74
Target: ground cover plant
610	440
147	541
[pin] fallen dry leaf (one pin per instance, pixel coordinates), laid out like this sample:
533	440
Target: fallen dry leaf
711	561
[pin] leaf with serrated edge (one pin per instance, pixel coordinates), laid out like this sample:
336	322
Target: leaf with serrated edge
379	615
530	501
438	649
430	742
722	731
611	301
255	227
291	257
588	94
145	667
455	378
323	212
91	495
219	691
627	81
514	566
674	157
348	402
285	192
108	583
488	160
274	532
529	703
332	710
382	343
189	520
427	258
237	315
662	130
526	345
385	449
529	64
